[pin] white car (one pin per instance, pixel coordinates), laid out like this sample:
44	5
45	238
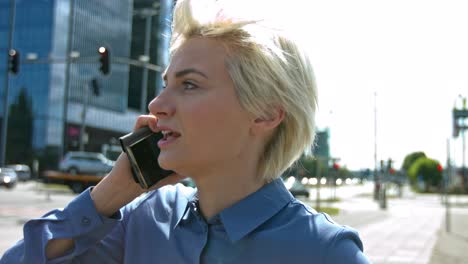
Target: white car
22	171
79	162
8	177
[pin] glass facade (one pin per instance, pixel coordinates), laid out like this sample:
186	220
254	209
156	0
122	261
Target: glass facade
46	99
4	35
28	90
96	24
151	25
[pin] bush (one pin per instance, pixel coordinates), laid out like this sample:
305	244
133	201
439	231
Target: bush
411	158
425	170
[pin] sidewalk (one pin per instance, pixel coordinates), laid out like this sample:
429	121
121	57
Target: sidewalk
452	247
404	233
27	200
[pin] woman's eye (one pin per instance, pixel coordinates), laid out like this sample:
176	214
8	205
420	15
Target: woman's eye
189	85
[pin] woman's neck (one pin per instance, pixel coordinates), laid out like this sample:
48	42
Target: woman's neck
217	192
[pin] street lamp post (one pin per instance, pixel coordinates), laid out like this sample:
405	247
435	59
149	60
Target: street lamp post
463	143
7	82
144	81
147	14
71	28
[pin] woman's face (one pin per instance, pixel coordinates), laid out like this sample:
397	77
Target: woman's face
210	130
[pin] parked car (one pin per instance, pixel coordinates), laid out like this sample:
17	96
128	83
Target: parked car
296	187
22	171
8	177
80	162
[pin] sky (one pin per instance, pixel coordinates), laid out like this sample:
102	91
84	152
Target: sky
408	56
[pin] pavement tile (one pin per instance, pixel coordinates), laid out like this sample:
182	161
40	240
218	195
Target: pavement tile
452	247
407	234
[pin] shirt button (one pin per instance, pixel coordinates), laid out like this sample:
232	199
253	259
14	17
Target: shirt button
85	221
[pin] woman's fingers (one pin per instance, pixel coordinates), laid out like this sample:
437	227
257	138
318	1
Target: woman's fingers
151	122
146	120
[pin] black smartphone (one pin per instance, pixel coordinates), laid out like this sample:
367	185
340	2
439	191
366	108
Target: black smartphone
142	151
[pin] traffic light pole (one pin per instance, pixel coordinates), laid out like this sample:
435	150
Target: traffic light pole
376	172
83	116
7	82
459	116
446	181
317	174
71	29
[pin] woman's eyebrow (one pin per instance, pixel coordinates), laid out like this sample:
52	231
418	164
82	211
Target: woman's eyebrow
185	72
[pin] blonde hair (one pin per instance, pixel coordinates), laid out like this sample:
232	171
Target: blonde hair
269	71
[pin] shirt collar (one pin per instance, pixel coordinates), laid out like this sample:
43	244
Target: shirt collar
182	208
244	216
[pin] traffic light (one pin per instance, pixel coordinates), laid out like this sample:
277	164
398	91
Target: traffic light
390	166
336	166
104	60
13	61
439	167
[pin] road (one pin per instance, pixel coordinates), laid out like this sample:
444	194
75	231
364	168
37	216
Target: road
26	201
343	191
404	233
29	200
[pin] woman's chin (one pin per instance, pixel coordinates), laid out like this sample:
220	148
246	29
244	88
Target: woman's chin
167	163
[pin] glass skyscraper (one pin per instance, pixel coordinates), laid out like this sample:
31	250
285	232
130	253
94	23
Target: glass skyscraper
58	42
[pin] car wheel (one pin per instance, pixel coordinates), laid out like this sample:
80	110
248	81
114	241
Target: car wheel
77	187
73	170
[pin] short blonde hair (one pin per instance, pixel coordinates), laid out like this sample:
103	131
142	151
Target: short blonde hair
268	69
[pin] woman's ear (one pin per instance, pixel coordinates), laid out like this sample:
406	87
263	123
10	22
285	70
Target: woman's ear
265	125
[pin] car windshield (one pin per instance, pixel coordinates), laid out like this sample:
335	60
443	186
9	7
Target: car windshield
6	170
89	155
298	185
19	167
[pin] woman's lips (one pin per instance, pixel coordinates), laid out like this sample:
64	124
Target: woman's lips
168	139
169	136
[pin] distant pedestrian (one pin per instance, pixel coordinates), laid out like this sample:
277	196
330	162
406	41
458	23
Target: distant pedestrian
238	110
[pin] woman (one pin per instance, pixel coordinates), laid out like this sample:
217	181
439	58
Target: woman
237	111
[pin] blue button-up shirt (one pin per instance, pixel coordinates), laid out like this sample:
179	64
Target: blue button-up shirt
165	226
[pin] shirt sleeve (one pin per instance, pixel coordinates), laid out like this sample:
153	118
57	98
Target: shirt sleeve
96	238
346	248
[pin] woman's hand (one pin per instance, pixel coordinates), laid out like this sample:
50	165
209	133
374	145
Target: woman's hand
114	191
119	188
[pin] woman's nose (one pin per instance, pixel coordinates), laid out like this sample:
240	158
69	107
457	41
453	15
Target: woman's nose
161	106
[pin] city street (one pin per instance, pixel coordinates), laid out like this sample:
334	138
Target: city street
25	201
409	231
360	106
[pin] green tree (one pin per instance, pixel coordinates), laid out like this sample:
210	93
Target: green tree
20	128
343	172
411	158
426	169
